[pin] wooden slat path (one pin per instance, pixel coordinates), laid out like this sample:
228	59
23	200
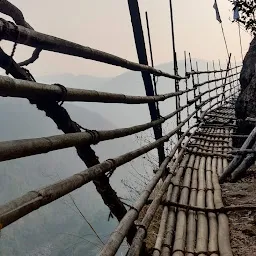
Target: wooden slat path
189	232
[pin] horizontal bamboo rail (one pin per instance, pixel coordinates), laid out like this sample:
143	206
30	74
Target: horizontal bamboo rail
212	71
33	91
216	80
22	35
211	90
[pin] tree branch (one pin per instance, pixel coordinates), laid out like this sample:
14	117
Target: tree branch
32	59
15	13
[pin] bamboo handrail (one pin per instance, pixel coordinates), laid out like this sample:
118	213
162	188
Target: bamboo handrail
211	71
22	35
31	90
216	80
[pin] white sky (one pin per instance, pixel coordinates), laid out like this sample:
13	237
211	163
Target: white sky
105	25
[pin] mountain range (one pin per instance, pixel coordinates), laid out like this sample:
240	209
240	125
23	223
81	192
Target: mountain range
58	229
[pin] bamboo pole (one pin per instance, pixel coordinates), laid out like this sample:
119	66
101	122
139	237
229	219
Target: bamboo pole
247	162
223	226
206	153
212	218
211	71
18	88
222	116
170	225
180	231
202	225
220	159
192	216
211	140
54	44
224	209
216	80
237	160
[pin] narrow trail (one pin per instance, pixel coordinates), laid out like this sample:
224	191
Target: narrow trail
188	232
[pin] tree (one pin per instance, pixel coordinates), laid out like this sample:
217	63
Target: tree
246	9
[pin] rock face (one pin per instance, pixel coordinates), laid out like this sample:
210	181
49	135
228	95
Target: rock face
246	103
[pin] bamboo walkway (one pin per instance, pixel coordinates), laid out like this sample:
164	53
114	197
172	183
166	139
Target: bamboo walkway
183	231
185	187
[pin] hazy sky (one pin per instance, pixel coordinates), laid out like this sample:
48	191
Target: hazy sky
105	25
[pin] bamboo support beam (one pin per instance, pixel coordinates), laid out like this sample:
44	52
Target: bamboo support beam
207	153
222	116
224	209
237	159
247	162
221	135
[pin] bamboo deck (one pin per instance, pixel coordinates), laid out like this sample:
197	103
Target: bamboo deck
189	232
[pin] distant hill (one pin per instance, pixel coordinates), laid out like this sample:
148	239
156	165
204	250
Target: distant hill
49	230
127	83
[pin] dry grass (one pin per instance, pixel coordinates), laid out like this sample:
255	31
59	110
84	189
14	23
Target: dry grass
153	228
155	223
242	223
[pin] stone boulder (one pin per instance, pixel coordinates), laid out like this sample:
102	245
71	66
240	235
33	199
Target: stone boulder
245	105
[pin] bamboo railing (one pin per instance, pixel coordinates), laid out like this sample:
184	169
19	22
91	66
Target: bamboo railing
190	187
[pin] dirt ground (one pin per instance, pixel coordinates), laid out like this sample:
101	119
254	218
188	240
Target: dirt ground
242	223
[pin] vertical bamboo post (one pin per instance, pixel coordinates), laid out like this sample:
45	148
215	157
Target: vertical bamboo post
208	78
225	81
198	81
186	82
142	56
152	59
193	82
237	76
214	73
175	66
